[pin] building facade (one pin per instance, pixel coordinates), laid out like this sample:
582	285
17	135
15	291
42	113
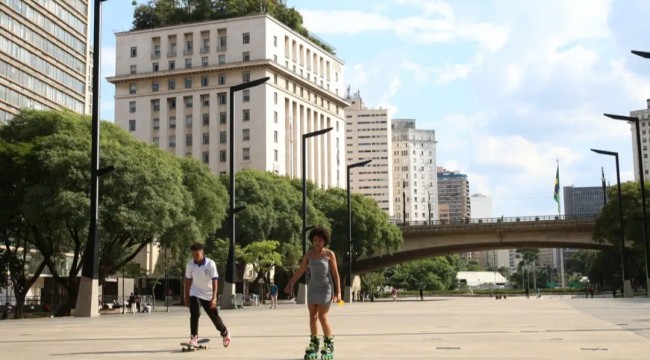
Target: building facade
453	190
644	124
44	56
481	208
368	136
415	184
172	89
583	201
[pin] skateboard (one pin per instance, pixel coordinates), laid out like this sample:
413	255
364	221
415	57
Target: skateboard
190	347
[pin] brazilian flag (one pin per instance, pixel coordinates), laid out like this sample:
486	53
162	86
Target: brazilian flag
556	192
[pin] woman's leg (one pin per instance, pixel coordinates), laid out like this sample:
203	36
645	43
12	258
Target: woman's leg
313	318
324	322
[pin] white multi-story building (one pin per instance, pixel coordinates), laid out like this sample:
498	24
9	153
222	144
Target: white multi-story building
172	87
644	124
415	189
368	136
44	56
481	208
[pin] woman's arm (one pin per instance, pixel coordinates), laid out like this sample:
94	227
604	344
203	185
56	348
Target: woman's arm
335	274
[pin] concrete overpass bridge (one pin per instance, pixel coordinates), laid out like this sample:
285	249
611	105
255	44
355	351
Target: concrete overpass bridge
424	239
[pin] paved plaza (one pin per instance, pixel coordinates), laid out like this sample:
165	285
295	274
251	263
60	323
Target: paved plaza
438	328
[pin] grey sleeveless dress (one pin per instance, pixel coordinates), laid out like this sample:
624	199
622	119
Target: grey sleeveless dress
319	290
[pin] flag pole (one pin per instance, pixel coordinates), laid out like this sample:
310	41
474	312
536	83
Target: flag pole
559	212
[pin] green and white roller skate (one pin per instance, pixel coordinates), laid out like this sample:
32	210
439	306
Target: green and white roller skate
328	349
312	350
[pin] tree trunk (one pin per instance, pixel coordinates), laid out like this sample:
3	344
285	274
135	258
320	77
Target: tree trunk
20	303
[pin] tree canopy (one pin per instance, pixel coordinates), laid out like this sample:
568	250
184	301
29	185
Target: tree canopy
159	13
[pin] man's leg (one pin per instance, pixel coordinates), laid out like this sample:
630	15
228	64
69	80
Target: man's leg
195	313
214	316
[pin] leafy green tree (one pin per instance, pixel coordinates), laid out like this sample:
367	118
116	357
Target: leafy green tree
370	281
436	273
263	256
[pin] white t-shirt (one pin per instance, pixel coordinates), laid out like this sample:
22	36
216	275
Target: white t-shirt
201	276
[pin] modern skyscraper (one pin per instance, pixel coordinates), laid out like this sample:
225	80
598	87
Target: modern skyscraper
44	56
583	201
453	190
414	172
172	87
644	124
368	136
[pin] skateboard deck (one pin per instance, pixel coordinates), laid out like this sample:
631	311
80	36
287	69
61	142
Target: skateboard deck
190	347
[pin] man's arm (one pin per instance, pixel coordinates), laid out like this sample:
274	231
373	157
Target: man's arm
188	284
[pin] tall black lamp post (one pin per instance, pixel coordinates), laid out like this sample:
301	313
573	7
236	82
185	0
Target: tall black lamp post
627	286
643	196
302	289
348	281
228	301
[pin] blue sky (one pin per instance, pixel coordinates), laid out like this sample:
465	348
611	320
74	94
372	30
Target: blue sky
509	86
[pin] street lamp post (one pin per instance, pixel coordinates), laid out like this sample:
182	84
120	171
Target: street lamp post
302	289
348	282
227	299
627	285
643	196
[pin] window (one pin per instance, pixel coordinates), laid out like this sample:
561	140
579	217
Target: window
156	123
223	43
155	105
188	83
131	125
246	76
275	155
206	46
246	115
275	98
206	138
222	118
246	38
171	84
172	49
222	59
222	79
275	117
275	59
246	134
188	154
246	95
134	51
156	51
188	100
206	119
204	80
204	61
131	106
275	136
275	79
222	156
133	88
222	137
188	63
133	69
172	122
188	121
171	103
172	141
188	140
275	41
206	157
172	64
246	154
205	100
156	141
222	98
155	86
189	47
246	56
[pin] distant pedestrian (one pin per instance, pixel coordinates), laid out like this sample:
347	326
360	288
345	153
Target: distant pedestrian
132	303
539	293
273	294
421	293
527	293
394	294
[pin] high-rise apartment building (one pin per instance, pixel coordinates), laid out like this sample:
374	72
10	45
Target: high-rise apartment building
368	136
44	56
644	124
453	190
172	89
481	208
415	185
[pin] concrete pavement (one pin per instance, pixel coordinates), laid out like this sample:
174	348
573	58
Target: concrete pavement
439	328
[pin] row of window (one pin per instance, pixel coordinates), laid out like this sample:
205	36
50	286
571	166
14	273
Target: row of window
188	48
188	101
42	88
19	100
171	64
205	81
42	43
48	25
37	63
62	13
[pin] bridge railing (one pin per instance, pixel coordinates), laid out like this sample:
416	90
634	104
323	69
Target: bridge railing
500	220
